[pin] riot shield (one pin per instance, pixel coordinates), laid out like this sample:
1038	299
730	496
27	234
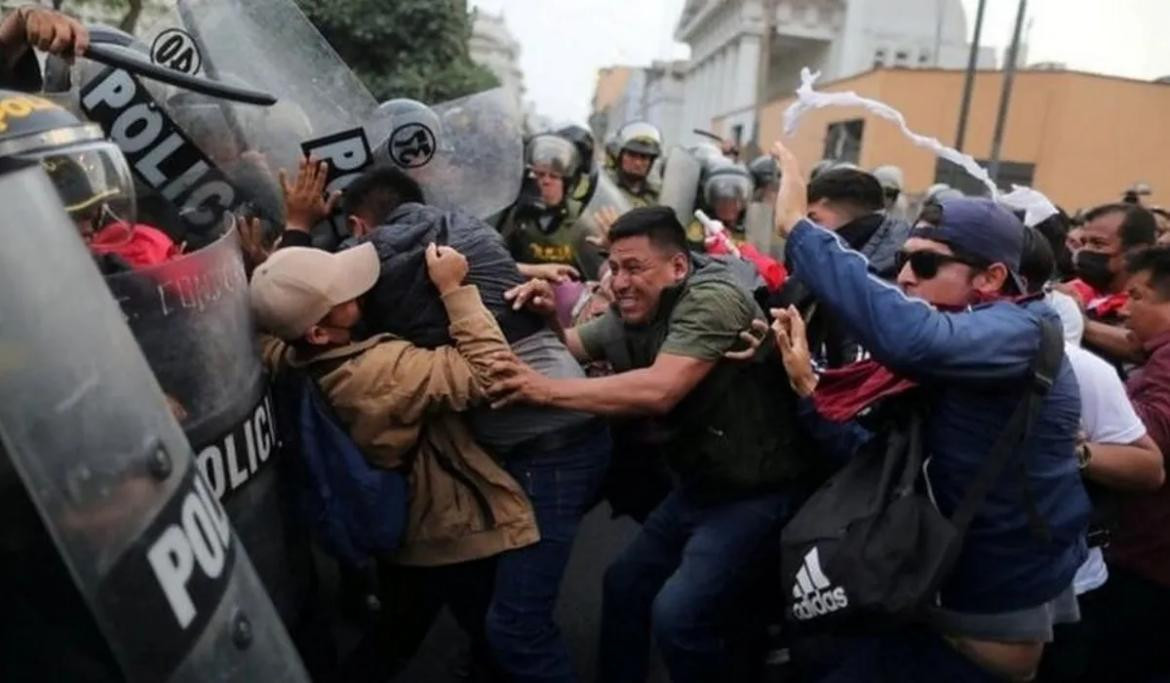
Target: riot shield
680	183
758	226
192	320
605	195
471	159
110	473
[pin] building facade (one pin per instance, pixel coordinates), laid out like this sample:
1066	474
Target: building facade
744	52
628	93
492	46
1080	138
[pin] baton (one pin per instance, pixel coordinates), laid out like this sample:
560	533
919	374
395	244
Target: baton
123	59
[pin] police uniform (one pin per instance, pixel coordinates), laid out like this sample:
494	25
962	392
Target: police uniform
553	236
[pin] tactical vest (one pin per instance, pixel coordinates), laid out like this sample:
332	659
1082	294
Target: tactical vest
562	241
736	433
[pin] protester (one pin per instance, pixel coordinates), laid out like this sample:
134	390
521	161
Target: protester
967	348
1109	232
558	456
401	403
1127	614
737	454
849	202
638	145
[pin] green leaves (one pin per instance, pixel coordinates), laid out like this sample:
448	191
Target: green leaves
404	48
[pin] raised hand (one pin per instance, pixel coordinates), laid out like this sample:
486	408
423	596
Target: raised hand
304	199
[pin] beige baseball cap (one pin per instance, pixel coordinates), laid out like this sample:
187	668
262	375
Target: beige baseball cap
298	286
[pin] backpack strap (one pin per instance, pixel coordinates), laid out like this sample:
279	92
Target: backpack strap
1044	367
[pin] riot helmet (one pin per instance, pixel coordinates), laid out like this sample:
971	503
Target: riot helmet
90	173
612	150
553	164
765	172
582	139
727	190
640	137
415	130
891	180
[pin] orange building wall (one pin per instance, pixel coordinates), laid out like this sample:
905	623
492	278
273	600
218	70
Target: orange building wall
1089	136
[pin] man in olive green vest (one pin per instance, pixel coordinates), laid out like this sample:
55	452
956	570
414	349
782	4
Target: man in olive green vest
728	428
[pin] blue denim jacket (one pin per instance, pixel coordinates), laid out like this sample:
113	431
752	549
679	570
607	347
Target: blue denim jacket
974	363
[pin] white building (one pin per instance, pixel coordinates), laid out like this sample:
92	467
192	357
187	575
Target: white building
492	46
749	51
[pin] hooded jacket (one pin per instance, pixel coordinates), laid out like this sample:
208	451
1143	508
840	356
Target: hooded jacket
406	304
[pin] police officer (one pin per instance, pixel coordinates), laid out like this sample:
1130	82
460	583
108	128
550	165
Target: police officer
766	175
639	145
582	139
91	174
541	230
727	189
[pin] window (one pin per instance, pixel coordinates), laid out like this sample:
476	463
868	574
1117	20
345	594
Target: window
1010	172
843	140
879	58
924	58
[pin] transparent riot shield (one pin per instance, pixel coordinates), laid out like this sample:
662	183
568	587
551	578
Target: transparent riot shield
605	195
680	183
758	225
473	162
88	431
471	157
192	320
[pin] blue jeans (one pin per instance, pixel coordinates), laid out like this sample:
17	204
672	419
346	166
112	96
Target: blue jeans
678	577
562	485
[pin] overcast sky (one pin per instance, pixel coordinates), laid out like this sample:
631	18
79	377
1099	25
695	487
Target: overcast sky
565	42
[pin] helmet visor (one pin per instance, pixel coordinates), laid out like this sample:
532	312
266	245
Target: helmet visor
555	154
94	182
642	138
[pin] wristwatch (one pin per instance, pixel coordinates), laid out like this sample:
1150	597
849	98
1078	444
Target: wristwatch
1084	455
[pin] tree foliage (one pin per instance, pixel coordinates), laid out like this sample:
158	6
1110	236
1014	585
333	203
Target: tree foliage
403	48
129	10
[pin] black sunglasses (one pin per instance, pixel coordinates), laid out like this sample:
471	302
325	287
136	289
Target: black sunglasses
926	264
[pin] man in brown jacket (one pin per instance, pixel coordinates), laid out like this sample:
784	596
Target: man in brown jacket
401	403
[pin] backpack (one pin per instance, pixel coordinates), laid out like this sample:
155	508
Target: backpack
869	549
354	510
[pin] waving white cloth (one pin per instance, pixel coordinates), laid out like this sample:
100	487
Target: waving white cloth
808	99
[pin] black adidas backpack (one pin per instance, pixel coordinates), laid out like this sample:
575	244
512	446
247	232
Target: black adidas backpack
869	549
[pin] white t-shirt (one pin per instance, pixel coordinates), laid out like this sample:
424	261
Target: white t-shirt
1071	317
1107	416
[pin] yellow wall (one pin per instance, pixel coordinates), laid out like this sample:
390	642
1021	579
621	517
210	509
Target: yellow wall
1089	136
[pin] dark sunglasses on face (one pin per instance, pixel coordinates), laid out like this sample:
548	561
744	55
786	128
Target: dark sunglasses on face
926	264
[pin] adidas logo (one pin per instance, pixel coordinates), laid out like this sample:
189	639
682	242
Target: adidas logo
815	595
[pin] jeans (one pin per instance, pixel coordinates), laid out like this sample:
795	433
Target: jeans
679	577
915	655
562	484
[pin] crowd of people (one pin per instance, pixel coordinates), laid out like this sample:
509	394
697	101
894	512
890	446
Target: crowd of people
712	379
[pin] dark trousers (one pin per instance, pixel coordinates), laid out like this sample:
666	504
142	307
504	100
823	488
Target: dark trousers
1122	635
678	578
562	483
411	599
915	655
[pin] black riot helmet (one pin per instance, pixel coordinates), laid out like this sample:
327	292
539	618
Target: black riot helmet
765	171
582	139
90	173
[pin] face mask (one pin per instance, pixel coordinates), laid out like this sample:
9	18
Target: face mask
1093	268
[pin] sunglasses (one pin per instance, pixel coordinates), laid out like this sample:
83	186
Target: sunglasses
926	264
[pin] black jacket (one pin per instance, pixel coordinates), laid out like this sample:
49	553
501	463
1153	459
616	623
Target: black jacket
405	303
